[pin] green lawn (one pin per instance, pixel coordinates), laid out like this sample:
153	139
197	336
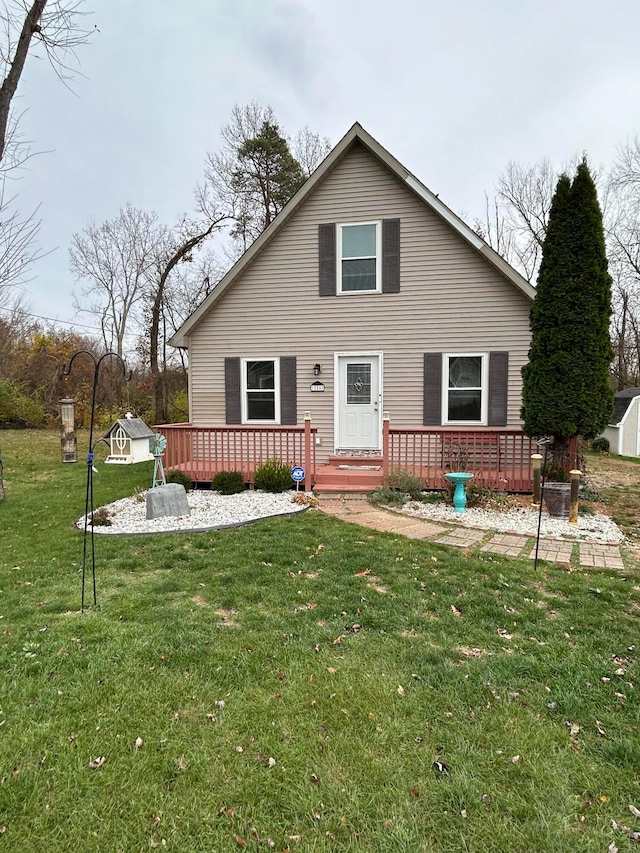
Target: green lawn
287	685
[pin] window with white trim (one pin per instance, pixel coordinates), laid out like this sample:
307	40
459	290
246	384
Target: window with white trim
359	257
260	391
464	382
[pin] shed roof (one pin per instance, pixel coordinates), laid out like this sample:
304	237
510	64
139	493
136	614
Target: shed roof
622	401
133	428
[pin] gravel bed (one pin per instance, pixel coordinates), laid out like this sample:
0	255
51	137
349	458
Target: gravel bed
521	520
208	510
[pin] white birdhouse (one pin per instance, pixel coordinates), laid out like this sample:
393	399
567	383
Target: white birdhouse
129	441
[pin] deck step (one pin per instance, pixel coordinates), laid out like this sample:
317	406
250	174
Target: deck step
359	461
331	478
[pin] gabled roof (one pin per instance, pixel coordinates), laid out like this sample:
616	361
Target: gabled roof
133	428
622	401
356	135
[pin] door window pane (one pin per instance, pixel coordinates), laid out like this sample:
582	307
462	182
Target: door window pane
358	384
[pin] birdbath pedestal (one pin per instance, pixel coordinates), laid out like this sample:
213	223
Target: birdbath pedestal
459	478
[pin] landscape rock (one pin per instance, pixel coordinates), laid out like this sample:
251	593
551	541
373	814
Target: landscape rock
170	499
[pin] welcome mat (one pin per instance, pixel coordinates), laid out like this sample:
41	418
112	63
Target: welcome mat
359	467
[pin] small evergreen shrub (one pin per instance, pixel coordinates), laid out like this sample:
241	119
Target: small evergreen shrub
600	444
177	476
273	476
387	497
228	482
406	483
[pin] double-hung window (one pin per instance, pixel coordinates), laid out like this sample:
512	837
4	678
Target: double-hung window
359	267
464	384
260	391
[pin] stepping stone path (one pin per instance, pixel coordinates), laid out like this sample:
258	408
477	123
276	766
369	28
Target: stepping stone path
358	511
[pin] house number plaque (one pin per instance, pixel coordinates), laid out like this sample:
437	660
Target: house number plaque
316	386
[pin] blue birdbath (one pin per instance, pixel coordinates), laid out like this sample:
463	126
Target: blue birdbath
459	496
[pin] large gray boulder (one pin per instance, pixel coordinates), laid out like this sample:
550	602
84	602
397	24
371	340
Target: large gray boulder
170	499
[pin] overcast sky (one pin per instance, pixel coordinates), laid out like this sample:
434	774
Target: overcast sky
455	89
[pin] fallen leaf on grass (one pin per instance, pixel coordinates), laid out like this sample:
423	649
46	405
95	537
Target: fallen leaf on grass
331	670
271	762
97	762
504	634
240	841
314	778
455	610
574	728
363	573
400	690
138	743
515	759
441	767
181	763
634	811
612	848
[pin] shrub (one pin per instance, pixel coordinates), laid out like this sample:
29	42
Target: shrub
387	497
600	444
406	483
100	517
273	476
228	482
177	476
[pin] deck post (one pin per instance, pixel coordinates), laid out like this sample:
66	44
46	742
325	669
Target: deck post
307	452
385	445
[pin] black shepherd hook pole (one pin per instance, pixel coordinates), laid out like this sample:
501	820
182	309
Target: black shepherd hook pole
88	501
546	442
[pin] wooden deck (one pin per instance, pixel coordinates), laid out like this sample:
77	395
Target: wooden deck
498	459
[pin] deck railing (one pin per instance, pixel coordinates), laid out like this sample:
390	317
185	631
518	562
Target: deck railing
499	459
202	451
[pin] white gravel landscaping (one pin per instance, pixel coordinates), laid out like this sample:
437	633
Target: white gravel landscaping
208	510
521	520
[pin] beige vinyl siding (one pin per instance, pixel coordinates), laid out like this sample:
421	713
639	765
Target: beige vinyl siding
451	300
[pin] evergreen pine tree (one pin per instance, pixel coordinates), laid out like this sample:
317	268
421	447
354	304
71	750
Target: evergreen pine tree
566	385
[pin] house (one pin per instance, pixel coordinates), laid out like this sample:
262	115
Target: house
623	433
128	441
369	312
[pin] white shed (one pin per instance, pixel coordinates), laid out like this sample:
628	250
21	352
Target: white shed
623	433
129	441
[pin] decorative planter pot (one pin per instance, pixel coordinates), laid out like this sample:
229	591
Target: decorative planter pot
459	495
557	499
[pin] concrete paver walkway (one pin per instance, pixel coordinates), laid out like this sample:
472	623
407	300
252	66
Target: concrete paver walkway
356	509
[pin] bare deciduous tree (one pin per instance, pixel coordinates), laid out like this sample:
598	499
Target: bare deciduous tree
116	260
52	24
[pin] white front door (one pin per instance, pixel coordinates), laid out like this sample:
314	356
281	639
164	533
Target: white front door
358	402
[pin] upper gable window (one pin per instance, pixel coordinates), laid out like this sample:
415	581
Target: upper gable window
359	257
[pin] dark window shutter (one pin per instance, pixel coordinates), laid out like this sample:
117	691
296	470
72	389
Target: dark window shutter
498	386
233	410
288	390
432	389
391	256
327	259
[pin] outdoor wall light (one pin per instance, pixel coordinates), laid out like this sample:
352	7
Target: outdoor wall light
317	370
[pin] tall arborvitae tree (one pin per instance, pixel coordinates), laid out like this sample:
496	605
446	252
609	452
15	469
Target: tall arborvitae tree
567	390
